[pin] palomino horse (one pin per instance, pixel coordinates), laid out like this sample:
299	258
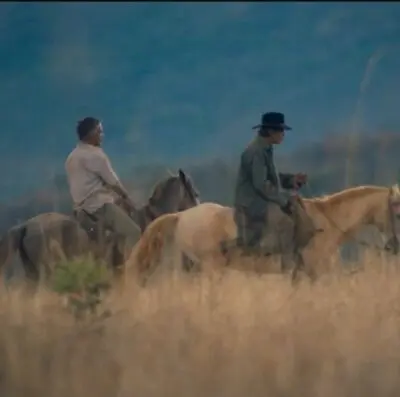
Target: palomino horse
198	232
46	238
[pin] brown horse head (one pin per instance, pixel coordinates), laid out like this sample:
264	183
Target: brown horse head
176	193
173	194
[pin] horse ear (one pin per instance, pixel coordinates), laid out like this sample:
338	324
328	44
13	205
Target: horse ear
182	175
395	190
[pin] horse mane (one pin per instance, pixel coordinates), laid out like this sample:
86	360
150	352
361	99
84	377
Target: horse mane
347	194
161	189
190	183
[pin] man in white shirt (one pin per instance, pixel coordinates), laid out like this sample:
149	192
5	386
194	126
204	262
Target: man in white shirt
94	185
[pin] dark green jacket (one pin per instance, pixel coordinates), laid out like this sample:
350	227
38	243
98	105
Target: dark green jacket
257	181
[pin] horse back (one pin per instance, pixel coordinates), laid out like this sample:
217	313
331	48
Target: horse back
49	229
197	218
224	224
200	228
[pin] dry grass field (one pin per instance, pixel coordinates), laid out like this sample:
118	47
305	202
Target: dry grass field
235	336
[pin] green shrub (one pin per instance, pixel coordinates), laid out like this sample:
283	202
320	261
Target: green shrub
82	280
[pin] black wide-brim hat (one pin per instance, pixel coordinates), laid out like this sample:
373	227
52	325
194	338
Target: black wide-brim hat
274	120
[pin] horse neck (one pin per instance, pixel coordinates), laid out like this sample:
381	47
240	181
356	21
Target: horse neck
347	215
165	205
149	212
141	217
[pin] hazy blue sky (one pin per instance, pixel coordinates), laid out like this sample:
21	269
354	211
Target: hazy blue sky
174	80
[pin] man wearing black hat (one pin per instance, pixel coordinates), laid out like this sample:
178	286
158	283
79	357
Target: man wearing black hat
94	184
259	185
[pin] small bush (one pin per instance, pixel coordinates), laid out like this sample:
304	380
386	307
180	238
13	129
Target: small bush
82	280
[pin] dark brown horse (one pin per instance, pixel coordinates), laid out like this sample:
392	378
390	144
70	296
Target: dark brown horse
47	238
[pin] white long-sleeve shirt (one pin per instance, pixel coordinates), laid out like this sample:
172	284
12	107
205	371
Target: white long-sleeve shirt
89	173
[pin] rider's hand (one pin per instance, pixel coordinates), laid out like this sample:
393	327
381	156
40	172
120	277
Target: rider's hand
300	180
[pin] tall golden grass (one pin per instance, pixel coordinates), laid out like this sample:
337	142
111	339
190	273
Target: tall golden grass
238	335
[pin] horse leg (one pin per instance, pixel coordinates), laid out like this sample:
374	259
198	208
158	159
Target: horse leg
214	264
286	262
117	258
301	265
75	240
298	267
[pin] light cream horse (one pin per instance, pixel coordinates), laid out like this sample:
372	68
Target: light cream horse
199	231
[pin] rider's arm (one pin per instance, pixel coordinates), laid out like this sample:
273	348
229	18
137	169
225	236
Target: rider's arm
287	180
102	167
264	187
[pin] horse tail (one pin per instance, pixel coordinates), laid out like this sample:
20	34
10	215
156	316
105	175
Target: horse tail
17	243
148	250
4	249
11	242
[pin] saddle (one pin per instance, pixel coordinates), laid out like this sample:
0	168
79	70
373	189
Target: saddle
91	225
100	236
304	227
283	231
